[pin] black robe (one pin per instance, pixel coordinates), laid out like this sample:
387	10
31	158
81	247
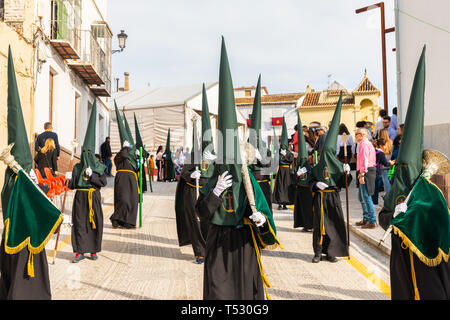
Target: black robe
303	211
169	170
231	270
263	179
85	239
433	283
284	191
334	242
15	284
189	227
126	196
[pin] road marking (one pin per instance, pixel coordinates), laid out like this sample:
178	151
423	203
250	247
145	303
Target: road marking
63	243
372	277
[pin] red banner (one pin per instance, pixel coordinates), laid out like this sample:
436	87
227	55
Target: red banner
249	121
277	121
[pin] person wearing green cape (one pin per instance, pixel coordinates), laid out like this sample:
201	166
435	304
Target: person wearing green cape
232	268
260	169
188	223
417	211
145	154
303	214
284	191
330	232
27	229
169	170
87	178
126	183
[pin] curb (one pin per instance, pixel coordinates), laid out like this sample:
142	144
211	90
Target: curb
373	242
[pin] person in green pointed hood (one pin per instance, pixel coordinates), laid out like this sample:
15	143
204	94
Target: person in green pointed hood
329	230
87	178
126	183
260	169
24	225
284	191
417	211
232	261
168	165
303	216
189	229
140	144
208	156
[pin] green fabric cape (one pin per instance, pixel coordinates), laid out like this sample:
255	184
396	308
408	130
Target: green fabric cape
329	170
139	142
408	165
284	144
425	226
31	218
302	158
88	158
17	134
255	126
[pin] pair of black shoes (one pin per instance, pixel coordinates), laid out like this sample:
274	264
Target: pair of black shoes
282	207
317	259
116	225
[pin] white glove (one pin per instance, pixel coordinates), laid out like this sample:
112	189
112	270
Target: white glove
283	152
138	153
126	144
88	171
347	168
301	171
196	174
258	155
33	176
258	218
321	185
224	181
69	175
401	207
66	219
209	156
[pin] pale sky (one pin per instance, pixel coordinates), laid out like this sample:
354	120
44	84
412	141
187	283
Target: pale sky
292	43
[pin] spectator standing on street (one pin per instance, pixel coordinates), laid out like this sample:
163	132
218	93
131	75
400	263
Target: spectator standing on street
152	167
47	134
366	173
386	125
340	144
379	123
105	152
394	121
159	163
382	163
322	135
387	149
46	158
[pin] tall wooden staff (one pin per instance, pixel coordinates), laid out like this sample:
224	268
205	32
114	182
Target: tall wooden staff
141	164
74	146
345	138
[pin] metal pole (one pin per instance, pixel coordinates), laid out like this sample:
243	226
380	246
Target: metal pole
383	53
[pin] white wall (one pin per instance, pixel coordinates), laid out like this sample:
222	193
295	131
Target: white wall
412	35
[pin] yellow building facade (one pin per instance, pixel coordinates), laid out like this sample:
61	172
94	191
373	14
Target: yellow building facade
17	30
357	105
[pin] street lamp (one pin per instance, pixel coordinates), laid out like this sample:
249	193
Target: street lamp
383	45
122	37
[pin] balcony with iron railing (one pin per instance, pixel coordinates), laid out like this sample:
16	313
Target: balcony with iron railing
65	23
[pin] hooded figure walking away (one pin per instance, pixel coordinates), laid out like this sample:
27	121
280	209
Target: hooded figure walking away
28	228
330	234
233	269
87	178
419	266
145	154
169	170
188	223
260	169
284	191
303	214
126	183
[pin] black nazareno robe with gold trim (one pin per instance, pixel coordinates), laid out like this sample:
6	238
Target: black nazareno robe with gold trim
126	195
231	267
189	227
264	179
303	207
433	283
86	239
285	183
330	232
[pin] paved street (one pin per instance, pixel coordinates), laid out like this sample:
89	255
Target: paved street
147	263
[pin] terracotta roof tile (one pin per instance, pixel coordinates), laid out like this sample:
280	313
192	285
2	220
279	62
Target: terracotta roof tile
254	87
366	85
312	100
286	97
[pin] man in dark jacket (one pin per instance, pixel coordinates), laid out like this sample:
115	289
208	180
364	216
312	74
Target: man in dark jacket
48	133
105	151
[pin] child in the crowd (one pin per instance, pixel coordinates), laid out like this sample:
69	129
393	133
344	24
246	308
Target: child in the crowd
152	167
381	162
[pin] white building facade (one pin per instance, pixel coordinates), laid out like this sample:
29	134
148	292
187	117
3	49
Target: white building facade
73	67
